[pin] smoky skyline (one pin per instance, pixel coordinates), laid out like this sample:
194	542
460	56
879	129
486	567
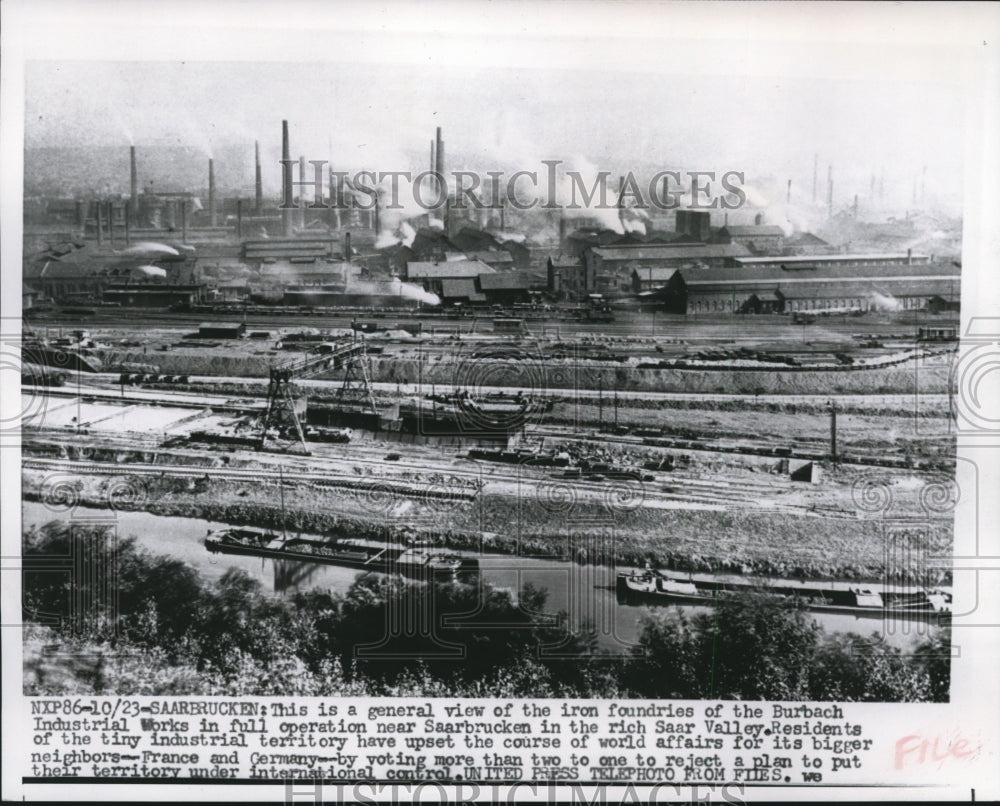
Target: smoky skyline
901	137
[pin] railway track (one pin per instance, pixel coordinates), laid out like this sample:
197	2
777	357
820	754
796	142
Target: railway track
330	480
471	478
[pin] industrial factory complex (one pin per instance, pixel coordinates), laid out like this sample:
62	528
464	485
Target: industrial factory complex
157	249
445	391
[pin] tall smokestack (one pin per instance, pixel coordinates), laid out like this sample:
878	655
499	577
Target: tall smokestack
815	175
258	183
439	169
503	216
211	193
855	205
111	223
439	153
829	189
302	179
81	215
347	247
376	223
184	220
133	180
287	177
788	193
129	206
100	223
621	197
433	158
239	219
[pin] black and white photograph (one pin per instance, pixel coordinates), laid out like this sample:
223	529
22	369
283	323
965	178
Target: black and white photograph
600	367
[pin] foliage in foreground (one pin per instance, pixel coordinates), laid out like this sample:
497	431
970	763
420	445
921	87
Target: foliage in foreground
173	633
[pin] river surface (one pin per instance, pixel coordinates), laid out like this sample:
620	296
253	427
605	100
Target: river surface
584	592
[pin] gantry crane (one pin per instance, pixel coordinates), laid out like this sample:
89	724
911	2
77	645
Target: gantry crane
281	429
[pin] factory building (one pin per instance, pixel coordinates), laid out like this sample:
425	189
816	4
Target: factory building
566	277
153	295
805	243
29	297
508	288
823	262
114	280
431	275
608	269
759	239
829	289
663	288
693	225
499	259
291	249
461	290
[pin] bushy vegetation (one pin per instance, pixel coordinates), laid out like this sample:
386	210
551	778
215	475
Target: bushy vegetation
754	647
171	632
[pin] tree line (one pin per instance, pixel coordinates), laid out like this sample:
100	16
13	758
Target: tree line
167	630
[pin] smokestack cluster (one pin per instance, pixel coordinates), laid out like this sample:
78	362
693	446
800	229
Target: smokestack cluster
211	193
258	184
287	179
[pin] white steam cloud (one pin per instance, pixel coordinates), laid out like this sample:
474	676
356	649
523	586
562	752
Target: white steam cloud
395	286
885	302
149	248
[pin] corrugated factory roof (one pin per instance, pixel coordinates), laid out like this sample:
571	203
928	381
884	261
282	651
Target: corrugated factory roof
759	230
461	288
671	252
419	270
794	259
491	255
565	262
830	272
506	281
655	273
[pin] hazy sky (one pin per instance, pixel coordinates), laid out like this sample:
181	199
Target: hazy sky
767	121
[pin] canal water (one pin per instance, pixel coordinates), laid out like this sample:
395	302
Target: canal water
584	592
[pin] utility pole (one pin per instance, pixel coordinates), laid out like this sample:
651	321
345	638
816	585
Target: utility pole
600	403
833	431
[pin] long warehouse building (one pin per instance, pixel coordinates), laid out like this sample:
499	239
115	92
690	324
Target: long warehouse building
802	288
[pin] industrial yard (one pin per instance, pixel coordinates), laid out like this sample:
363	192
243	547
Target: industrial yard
281	385
670	455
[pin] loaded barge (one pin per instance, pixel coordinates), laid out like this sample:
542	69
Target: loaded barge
419	562
654	587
